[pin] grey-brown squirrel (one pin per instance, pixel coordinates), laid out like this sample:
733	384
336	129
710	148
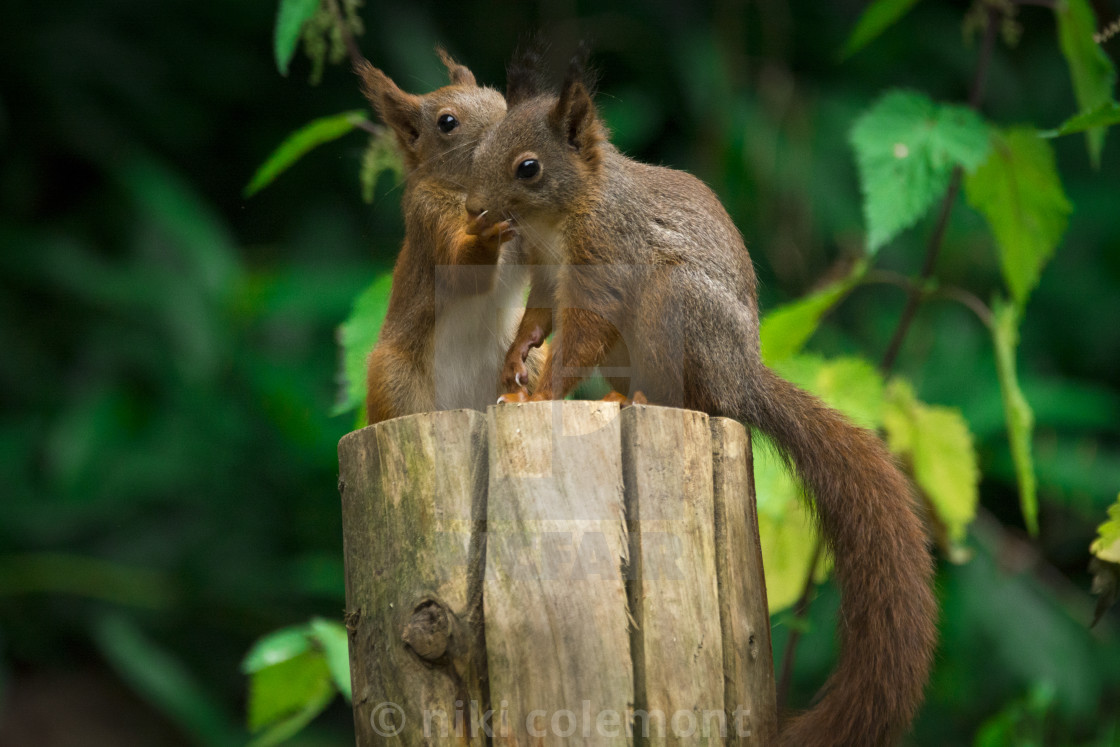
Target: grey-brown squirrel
642	262
455	297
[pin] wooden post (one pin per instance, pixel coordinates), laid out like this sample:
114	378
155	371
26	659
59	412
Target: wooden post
555	573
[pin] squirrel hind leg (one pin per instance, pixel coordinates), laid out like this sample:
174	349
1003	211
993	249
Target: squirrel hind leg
693	346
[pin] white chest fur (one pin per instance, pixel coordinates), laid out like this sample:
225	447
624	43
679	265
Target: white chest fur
471	338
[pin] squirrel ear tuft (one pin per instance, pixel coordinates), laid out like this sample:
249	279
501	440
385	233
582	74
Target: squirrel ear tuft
399	110
524	74
459	74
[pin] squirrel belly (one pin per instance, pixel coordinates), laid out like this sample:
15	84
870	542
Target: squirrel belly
470	338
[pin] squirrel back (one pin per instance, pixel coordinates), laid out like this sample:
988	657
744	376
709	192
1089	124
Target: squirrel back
650	263
455	296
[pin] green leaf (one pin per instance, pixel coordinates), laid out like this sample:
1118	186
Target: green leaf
1105	115
785	527
290	17
162	680
297	145
357	336
1019	192
938	445
851	385
276	647
1017	413
381	155
1023	722
786	329
1107	544
335	645
286	696
906	148
879	16
1091	70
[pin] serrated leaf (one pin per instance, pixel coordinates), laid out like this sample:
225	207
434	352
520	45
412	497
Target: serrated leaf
1093	75
381	155
289	689
879	16
357	336
290	17
938	445
1105	115
1019	192
785	527
786	329
1107	544
335	645
1017	413
906	148
275	648
299	143
851	385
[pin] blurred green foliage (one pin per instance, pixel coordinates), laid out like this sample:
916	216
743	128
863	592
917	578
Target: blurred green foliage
169	357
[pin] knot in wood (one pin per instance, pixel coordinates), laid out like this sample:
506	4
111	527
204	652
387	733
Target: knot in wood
428	631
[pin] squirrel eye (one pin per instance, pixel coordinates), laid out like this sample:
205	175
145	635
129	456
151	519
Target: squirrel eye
528	168
446	123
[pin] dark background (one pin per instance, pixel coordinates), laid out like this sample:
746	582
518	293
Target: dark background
168	357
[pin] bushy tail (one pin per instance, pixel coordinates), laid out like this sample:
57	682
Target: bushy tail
866	512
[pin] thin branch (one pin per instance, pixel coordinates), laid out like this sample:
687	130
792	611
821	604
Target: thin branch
368	126
933	248
800	610
969	300
948	292
352	48
889	277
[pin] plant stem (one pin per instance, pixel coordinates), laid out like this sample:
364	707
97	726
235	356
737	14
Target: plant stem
799	612
933	248
915	298
352	49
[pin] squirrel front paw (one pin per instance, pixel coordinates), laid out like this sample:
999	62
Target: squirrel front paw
501	231
490	233
515	375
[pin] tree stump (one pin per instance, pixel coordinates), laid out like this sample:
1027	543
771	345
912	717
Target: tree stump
555	573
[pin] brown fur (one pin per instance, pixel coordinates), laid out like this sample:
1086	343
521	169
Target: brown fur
644	264
453	291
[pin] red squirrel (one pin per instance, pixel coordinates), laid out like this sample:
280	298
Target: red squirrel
643	263
455	297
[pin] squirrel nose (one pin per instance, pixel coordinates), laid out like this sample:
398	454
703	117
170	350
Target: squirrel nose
475	208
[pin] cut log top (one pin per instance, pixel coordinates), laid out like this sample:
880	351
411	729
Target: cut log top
555	573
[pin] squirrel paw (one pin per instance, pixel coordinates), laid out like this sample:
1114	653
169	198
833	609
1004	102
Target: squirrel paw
514	375
502	231
520	395
490	233
623	400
